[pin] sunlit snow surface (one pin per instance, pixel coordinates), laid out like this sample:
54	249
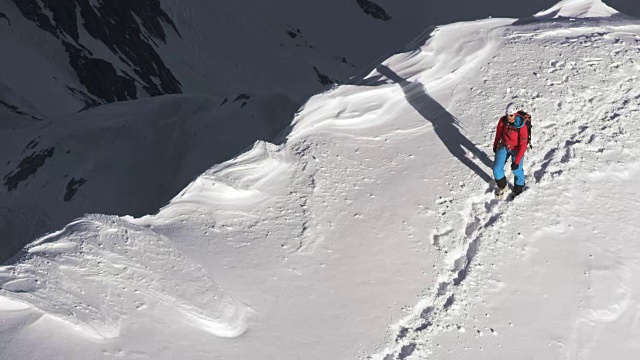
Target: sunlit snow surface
372	232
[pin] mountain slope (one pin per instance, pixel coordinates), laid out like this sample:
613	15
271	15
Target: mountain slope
124	158
84	53
377	210
62	62
245	67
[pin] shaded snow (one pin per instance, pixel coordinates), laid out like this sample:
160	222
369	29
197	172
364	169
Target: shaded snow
125	158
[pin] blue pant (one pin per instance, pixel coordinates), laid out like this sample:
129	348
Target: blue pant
502	155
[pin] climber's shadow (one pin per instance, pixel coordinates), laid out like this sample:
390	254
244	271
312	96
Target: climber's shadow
445	125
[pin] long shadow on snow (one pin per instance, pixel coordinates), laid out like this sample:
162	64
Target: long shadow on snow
445	125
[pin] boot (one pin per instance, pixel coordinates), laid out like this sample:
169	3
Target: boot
517	190
502	187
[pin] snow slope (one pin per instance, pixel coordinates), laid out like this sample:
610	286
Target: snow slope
41	90
372	230
123	158
201	49
65	56
580	9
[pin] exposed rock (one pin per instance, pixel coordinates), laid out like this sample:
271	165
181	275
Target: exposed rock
242	97
27	167
345	61
324	79
406	351
89	102
100	77
72	188
32	144
374	10
4	16
17	110
33	12
127	28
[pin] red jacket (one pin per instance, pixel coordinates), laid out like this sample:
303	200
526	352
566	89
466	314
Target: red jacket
514	137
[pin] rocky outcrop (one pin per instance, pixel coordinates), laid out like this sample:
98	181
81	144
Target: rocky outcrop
72	188
374	10
128	28
3	16
16	110
27	167
100	77
324	79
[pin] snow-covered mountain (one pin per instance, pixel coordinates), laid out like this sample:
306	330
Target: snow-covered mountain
243	67
66	57
368	228
70	55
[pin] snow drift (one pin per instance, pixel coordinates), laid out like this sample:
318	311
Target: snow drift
372	231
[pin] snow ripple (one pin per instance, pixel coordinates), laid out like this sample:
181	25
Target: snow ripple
100	270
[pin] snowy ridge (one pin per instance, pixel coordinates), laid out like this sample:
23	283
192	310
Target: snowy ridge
237	183
577	9
376	215
564	153
99	270
52	177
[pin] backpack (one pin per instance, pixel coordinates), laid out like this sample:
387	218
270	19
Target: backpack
527	121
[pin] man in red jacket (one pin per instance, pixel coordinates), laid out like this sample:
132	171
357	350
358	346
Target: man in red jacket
510	142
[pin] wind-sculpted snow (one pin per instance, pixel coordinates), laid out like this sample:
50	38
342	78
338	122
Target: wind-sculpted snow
577	9
352	110
372	231
101	270
241	182
126	158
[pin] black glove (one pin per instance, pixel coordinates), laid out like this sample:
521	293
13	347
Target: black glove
514	166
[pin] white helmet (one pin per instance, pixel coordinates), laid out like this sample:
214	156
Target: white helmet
512	108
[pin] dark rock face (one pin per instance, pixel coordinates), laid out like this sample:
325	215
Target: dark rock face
4	16
17	110
32	11
72	188
27	167
322	78
32	144
242	97
89	102
128	28
374	10
100	77
406	351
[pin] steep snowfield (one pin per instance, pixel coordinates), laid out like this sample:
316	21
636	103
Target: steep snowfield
55	168
372	231
123	158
